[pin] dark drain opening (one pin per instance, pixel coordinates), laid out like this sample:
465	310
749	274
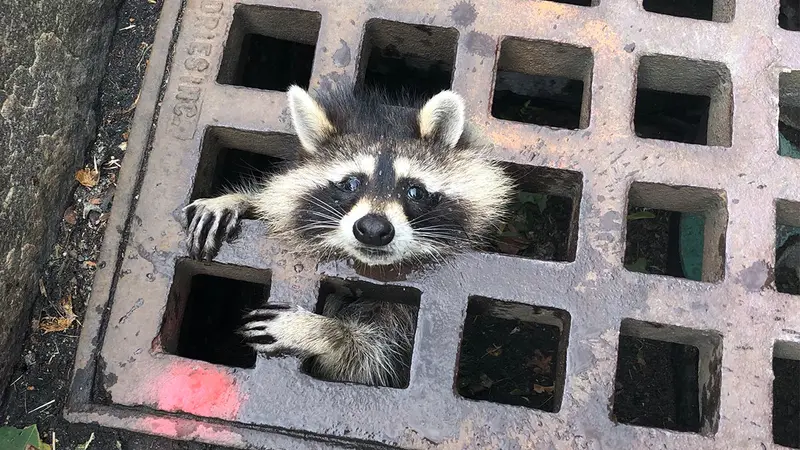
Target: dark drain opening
275	64
787	245
513	353
672	117
656	385
232	158
675	231
270	48
377	304
786	395
205	308
653	243
789	119
544	214
553	102
693	9
405	59
683	100
578	2
789	16
543	83
667	377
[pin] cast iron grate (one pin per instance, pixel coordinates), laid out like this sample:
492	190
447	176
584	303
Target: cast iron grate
658	124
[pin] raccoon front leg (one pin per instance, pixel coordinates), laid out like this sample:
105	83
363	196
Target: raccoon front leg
341	349
211	221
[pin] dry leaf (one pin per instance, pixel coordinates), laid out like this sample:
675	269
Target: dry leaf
89	264
539	389
95	201
123	146
54	324
88	177
540	363
495	350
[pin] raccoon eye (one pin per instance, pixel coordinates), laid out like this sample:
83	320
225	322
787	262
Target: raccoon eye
416	193
349	184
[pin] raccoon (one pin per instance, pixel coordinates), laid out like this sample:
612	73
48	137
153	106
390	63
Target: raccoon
384	185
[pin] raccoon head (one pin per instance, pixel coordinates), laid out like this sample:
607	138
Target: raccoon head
384	185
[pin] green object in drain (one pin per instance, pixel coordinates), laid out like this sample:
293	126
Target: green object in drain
691	245
786	148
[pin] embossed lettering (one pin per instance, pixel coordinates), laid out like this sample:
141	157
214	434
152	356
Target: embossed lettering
211	6
185	109
209	22
188	93
199	51
198	64
202	47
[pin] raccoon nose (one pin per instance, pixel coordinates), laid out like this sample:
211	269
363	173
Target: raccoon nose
373	229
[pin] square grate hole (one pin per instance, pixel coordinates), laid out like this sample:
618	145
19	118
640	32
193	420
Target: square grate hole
787	247
789	15
544	215
376	304
579	2
406	59
513	353
232	157
543	83
789	120
197	325
270	48
786	394
676	231
683	100
716	10
668	377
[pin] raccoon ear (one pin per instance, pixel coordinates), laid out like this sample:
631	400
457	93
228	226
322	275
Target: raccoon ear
309	119
442	118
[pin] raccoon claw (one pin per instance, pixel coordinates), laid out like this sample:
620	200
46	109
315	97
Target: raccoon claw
270	329
209	223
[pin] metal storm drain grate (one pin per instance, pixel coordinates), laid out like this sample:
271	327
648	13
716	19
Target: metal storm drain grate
643	295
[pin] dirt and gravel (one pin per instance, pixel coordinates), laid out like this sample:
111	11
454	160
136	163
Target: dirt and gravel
41	377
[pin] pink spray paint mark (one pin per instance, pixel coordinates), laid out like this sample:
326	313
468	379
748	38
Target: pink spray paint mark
199	391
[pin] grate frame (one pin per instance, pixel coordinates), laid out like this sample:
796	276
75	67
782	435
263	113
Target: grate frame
123	379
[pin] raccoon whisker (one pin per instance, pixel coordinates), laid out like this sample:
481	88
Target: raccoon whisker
437	212
316	227
316	201
326	214
442	237
445	241
327	217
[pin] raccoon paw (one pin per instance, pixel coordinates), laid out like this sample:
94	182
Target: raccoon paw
209	222
277	327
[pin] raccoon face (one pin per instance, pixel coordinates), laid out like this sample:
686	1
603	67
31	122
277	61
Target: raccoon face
385	186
